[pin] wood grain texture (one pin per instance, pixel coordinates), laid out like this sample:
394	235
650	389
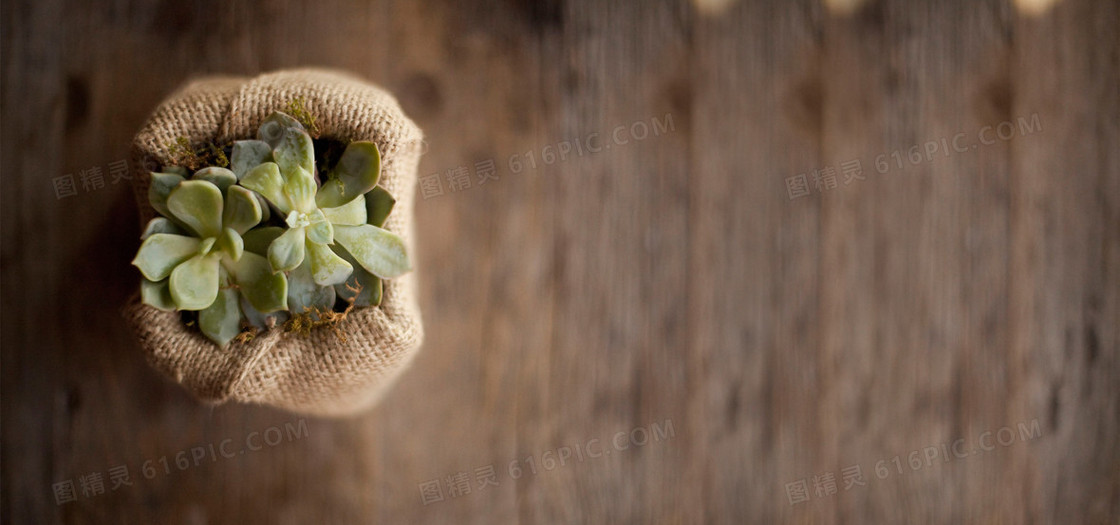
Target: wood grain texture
666	283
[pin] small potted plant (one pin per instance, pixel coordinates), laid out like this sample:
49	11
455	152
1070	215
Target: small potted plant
274	259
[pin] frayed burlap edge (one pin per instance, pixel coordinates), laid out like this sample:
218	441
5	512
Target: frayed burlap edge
319	374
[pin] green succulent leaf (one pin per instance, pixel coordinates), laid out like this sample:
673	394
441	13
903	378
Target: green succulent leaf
258	239
290	143
378	205
177	170
207	244
295	151
266	212
161	225
260	319
376	292
248	154
300	188
265	179
157	294
287	251
231	244
355	174
379	251
220	177
276	127
162	184
368	286
198	204
327	268
160	253
242	210
319	230
265	290
352	213
194	283
304	294
221	321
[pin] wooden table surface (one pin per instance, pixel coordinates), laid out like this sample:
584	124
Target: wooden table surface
738	262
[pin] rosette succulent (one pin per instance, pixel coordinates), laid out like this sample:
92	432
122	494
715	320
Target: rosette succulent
218	249
193	258
328	233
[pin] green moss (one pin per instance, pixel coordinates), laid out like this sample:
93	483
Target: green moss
247	334
209	154
218	155
298	110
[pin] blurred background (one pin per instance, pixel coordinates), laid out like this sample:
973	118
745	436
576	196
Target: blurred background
714	261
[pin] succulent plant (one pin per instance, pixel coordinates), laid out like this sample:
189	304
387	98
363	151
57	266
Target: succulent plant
218	249
363	287
328	232
193	258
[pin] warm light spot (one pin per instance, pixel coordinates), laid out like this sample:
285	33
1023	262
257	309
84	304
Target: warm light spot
843	7
1034	7
713	7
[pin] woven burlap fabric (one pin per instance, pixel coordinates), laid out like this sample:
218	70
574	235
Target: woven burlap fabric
319	374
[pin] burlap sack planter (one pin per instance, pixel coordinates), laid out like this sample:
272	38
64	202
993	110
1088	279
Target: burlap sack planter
317	374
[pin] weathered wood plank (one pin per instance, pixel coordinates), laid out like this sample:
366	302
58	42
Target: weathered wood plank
753	266
667	283
1064	225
